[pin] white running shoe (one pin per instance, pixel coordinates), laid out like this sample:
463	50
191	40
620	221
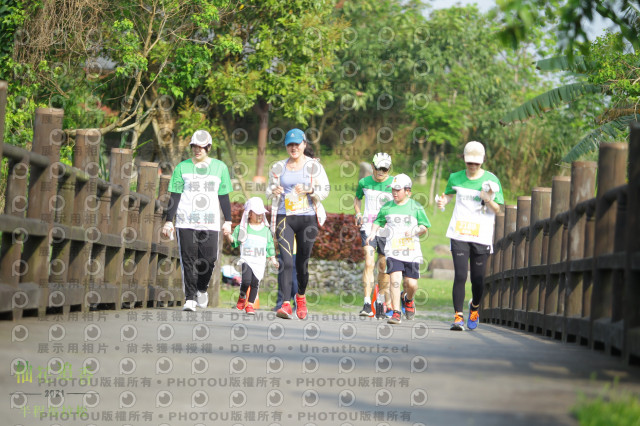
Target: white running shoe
202	299
189	305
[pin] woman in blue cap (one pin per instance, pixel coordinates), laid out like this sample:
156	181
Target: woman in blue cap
297	186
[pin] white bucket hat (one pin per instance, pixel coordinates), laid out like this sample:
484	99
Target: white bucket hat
255	205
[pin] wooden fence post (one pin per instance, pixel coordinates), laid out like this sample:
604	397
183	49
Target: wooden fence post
100	291
120	174
62	293
14	296
506	312
86	205
560	191
157	250
166	293
520	261
607	268
540	210
496	260
583	180
147	186
631	313
43	185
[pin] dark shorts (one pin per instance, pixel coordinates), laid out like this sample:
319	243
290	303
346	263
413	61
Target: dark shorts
409	269
377	243
468	248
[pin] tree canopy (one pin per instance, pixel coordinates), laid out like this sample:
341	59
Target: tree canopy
371	75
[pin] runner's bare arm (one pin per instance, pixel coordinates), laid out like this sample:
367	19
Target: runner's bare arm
356	206
487	198
372	234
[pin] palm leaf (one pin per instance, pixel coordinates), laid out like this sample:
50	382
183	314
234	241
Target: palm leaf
549	100
563	63
592	141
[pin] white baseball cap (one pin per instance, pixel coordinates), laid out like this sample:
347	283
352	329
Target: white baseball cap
400	181
201	138
382	159
474	152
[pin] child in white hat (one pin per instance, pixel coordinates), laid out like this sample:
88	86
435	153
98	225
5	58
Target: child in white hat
256	245
404	221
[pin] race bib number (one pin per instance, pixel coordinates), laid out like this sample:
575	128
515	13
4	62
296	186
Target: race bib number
471	229
294	204
251	248
405	243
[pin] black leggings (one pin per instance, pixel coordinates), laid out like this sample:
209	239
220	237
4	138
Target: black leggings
462	253
305	231
249	280
198	255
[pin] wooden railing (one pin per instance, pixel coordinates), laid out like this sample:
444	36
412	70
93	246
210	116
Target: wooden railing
74	242
567	265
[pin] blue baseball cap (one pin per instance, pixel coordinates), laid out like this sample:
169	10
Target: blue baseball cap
294	136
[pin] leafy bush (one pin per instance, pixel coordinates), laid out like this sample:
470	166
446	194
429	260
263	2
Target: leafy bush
609	408
338	239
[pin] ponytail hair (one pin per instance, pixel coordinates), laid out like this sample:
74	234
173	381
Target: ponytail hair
308	151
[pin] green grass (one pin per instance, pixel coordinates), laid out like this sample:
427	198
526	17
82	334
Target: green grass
433	300
609	409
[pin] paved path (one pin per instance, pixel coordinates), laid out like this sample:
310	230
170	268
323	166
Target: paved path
165	367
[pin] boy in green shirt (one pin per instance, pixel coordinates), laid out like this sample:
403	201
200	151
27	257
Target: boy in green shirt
404	221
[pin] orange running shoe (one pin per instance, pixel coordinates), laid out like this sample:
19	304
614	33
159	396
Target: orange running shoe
458	322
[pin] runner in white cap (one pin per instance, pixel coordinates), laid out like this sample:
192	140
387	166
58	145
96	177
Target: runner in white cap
478	197
199	188
376	192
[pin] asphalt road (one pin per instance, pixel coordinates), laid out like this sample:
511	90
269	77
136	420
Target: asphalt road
216	366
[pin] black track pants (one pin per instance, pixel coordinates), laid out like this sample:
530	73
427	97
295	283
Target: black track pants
198	255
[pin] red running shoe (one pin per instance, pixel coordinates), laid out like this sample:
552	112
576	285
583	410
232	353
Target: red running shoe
285	311
301	306
242	302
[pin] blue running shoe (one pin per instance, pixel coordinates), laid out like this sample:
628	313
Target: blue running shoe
472	321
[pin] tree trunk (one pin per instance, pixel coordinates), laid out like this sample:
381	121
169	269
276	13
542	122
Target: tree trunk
135	132
434	175
164	124
320	132
423	170
262	108
234	159
440	167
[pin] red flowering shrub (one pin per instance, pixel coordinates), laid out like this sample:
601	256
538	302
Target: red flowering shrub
338	238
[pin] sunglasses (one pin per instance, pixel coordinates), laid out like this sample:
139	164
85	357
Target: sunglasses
382	169
473	164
